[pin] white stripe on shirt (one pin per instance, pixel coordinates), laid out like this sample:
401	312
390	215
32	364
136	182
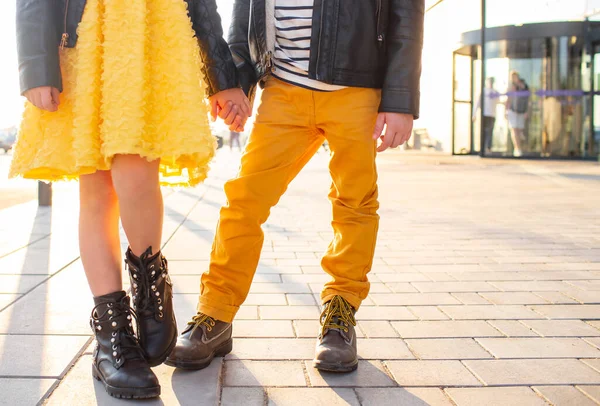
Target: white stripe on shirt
293	25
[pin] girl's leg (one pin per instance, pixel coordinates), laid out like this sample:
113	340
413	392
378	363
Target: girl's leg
99	233
140	200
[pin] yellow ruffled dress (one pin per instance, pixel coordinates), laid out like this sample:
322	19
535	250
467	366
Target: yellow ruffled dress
132	85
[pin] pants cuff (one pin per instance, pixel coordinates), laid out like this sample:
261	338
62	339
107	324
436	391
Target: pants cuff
218	311
328	294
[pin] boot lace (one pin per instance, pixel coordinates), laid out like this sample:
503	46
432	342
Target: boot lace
338	314
145	298
201	319
124	340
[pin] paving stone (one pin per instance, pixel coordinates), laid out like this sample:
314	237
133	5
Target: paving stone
38	355
594	323
428	313
584	296
266	299
562	328
178	387
594	363
592	391
289	312
312	396
569	312
19	283
513	328
564	396
533	372
400	287
431	373
232	396
491	276
272	348
454	287
383	349
301	299
248	313
440	276
594	341
368	374
377	329
556	297
586	285
498	312
495	397
444	329
384	313
7	298
263	328
263	373
447	349
23	391
407	299
513	298
471	298
390	278
402	396
529	286
538	348
280	288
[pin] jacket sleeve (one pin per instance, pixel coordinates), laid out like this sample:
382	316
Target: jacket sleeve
218	68
401	88
37	44
240	47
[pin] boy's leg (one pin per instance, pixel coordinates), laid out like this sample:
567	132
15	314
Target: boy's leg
348	120
348	126
283	140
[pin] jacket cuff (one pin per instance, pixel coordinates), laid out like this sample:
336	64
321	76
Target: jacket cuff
39	72
400	101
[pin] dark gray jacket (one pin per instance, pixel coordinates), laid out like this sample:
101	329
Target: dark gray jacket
43	24
359	43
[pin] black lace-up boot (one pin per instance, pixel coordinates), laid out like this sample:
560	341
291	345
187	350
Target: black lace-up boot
336	344
153	302
118	360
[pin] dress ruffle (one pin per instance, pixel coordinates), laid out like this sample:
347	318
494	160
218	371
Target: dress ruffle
132	85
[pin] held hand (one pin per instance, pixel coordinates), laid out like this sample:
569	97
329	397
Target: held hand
232	106
398	129
44	98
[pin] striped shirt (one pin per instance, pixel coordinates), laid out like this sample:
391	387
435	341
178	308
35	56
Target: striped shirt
293	27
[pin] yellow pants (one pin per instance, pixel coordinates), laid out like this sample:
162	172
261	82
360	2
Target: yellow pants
291	125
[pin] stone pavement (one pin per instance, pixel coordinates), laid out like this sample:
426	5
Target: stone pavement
485	290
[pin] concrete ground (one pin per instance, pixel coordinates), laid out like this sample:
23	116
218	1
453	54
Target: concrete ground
485	290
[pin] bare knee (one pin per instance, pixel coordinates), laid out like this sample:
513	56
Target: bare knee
135	176
96	191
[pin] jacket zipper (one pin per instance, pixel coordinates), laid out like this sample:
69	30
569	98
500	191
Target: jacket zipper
317	74
380	36
65	35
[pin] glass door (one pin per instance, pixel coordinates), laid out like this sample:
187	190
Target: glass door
594	142
462	104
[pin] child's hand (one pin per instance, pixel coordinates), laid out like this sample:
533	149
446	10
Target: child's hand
232	106
398	129
44	98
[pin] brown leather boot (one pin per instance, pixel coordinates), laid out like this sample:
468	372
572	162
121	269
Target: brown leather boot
118	360
153	302
336	344
204	339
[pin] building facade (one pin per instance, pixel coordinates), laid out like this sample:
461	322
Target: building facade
531	91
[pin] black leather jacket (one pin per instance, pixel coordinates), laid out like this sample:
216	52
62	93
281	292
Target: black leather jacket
359	43
44	25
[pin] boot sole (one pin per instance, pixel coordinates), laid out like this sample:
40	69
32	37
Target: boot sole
126	393
335	367
153	362
220	351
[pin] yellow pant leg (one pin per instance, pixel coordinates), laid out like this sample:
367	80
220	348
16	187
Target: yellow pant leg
283	140
347	118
